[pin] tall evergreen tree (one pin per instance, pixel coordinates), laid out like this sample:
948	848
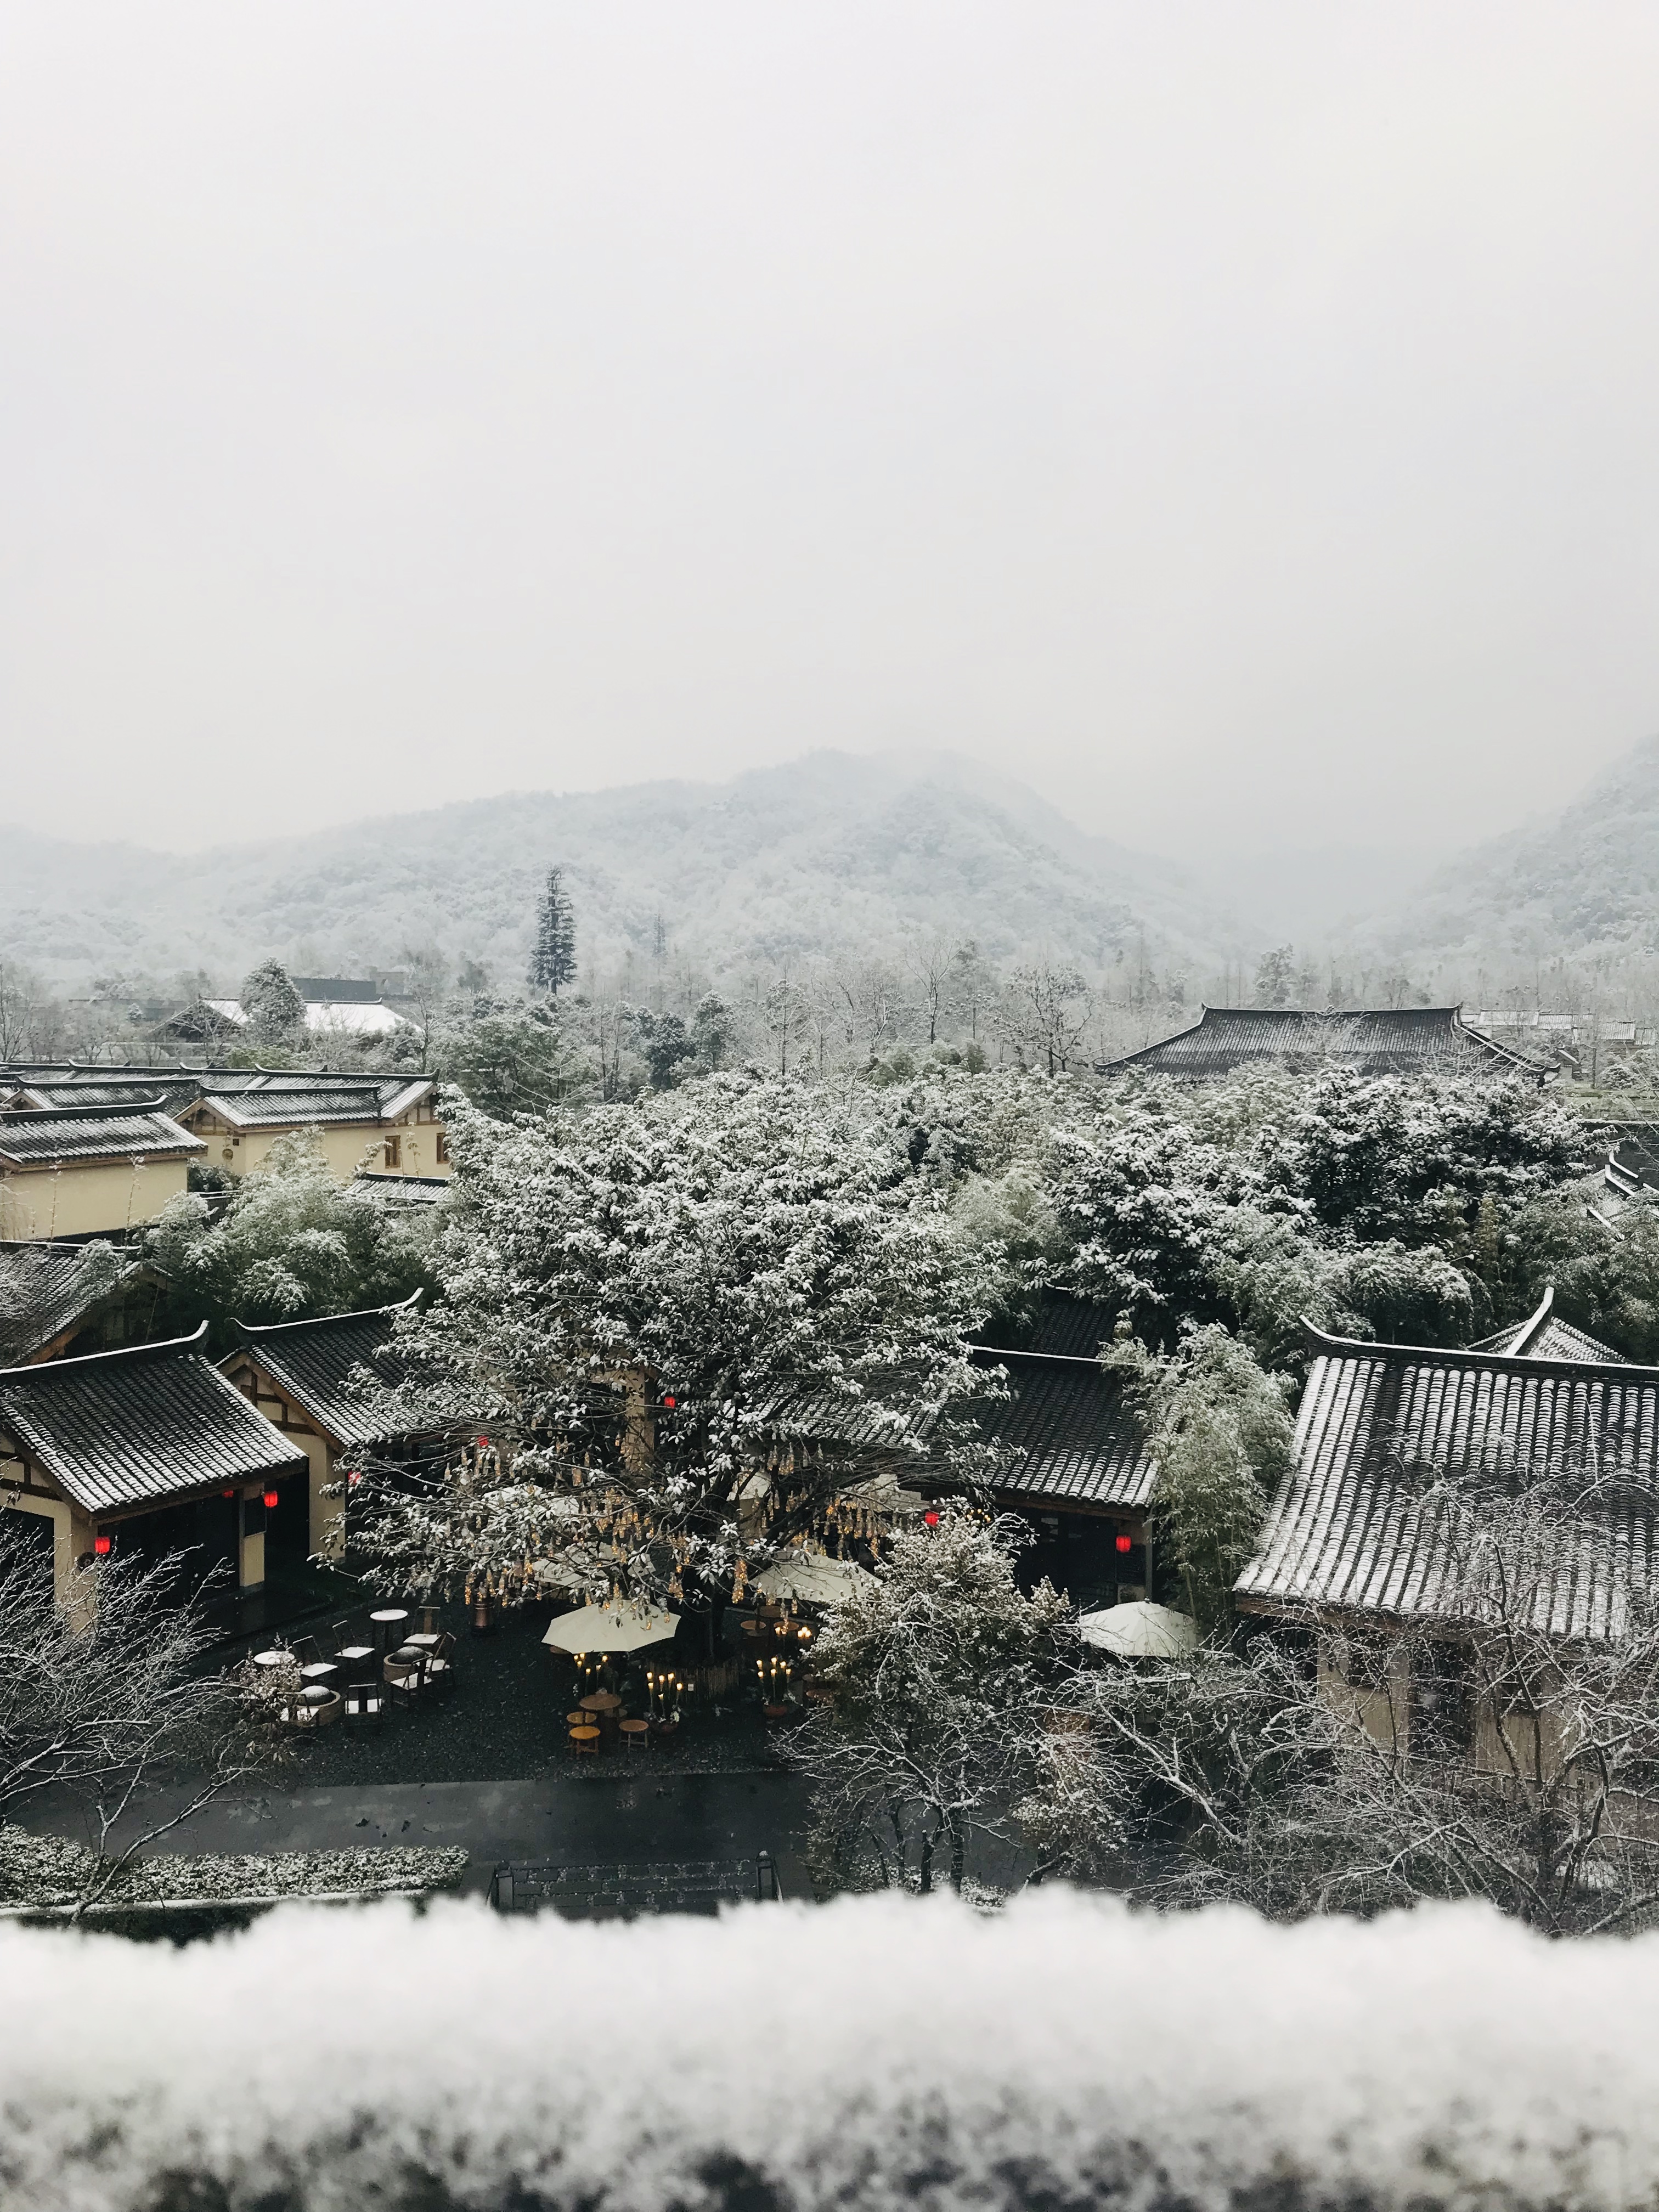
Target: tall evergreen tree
554	961
272	1002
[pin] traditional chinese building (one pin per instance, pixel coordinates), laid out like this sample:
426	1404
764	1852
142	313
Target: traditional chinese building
94	1170
70	1299
1351	1547
330	1386
388	1123
150	1450
1394	1041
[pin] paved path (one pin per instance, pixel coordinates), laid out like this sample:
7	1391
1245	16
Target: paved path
651	1816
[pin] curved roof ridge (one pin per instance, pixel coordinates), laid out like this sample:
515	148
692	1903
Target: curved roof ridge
250	1329
1359	1347
116	1110
135	1352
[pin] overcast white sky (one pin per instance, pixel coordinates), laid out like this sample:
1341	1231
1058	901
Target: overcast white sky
1242	422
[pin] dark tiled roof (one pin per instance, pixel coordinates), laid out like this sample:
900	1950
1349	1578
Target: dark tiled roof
278	1099
821	1416
125	1428
1545	1336
1346	1530
315	1362
91	1132
407	1190
48	1290
1074	1327
1404	1041
1067	1432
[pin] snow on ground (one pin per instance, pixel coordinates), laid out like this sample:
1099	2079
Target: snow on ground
50	1870
875	2052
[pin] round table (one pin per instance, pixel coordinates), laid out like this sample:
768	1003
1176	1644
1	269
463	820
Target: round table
637	1732
585	1738
602	1701
386	1619
271	1658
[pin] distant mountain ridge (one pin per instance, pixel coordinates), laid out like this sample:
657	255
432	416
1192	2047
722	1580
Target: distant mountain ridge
834	853
1585	881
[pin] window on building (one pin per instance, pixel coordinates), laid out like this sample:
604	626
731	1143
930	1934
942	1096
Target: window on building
443	1150
394	1150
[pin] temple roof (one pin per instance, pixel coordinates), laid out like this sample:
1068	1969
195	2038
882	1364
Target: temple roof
48	1290
344	1370
36	1137
1379	1423
124	1429
1545	1336
1066	1433
1391	1041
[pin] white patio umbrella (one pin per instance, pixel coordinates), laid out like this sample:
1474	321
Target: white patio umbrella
623	1627
811	1578
1141	1630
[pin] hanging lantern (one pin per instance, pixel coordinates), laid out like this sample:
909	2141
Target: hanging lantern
101	1545
1125	1542
271	1500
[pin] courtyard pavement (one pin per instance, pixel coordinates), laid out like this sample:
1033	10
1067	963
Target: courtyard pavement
623	1818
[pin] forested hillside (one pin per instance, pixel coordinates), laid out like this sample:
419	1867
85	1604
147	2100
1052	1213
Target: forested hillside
830	854
1572	902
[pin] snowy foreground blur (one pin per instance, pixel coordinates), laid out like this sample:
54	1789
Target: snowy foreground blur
870	2052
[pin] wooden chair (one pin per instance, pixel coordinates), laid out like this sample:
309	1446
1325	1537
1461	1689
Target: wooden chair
350	1654
409	1682
313	1668
440	1667
367	1702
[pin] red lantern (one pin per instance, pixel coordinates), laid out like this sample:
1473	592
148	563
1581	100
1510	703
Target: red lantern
101	1545
671	1403
1125	1543
932	1519
483	1443
271	1500
226	1493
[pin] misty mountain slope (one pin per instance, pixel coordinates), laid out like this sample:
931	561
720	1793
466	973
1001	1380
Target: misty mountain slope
833	853
1588	876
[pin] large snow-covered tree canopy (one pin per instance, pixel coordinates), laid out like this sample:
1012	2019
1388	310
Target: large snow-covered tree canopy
694	1328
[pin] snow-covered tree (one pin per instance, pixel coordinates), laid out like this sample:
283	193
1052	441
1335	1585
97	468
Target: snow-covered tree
1217	1428
1464	1751
936	1673
107	1700
270	1000
553	961
668	1317
291	1243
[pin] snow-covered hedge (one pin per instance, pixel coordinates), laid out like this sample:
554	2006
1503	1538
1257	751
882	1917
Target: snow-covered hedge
874	2053
47	1871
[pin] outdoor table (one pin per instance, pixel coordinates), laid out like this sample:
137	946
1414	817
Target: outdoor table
385	1620
424	1641
601	1701
275	1658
